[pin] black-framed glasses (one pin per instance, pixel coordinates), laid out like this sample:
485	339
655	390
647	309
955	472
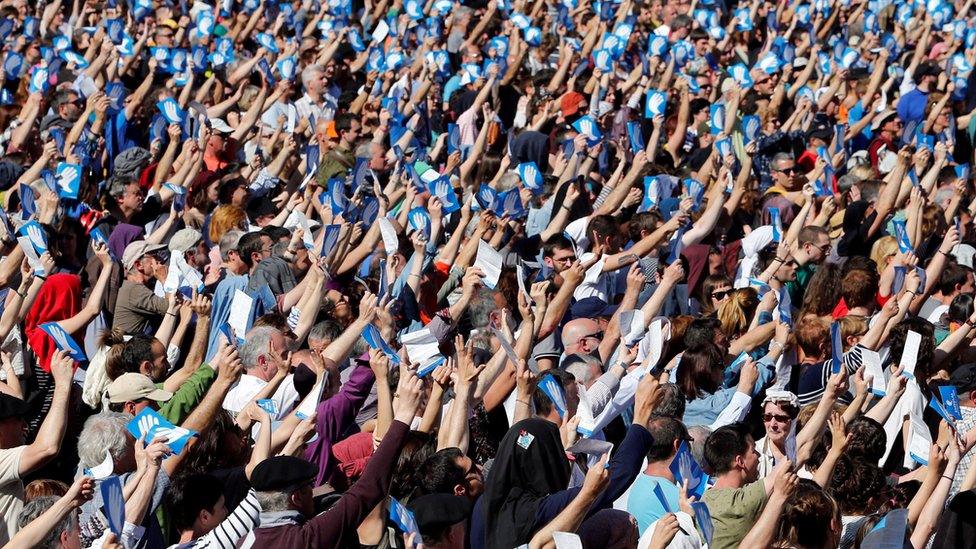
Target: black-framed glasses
788	171
720	294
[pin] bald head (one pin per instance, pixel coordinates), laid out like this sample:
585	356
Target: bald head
581	335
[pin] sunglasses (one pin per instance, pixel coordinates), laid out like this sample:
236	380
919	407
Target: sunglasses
720	294
779	418
788	171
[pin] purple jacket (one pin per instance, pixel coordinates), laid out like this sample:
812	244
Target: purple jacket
334	416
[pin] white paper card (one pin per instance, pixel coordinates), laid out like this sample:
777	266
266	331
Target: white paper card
873	369
632	326
103	469
520	277
421	345
172	282
311	400
490	263
909	355
921	442
390	241
587	423
565	540
240	313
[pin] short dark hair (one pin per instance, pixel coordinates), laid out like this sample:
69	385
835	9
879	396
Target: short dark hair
603	225
724	445
556	242
868	439
441	473
343	122
664	432
249	244
136	351
189	494
672	401
701	332
811	233
953	274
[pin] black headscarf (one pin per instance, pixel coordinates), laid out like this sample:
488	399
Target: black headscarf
957	527
529	466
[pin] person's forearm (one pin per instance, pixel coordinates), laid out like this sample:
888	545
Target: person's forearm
137	503
33	533
262	447
47	443
339	350
917	503
929	518
202	416
568	520
826	469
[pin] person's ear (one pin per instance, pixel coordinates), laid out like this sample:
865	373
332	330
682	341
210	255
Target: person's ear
459	490
145	367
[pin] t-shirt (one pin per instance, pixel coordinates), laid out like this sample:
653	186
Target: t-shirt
734	511
138	309
644	505
11	491
911	106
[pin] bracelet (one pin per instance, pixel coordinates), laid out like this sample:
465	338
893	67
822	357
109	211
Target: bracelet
781	260
943	253
781	346
564	207
970	323
526	402
947	477
22	296
169	313
42	277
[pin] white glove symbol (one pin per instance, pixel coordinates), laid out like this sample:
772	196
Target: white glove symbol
36	235
657	103
419	220
512	203
146	423
67	178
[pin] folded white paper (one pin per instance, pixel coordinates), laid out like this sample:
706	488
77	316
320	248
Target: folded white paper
390	242
490	263
909	356
240	313
873	369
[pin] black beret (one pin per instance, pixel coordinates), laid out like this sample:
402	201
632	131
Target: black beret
11	406
439	511
282	472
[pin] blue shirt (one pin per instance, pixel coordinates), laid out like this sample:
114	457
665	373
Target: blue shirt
911	106
644	505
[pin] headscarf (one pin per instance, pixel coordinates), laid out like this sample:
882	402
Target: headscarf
123	235
957	527
529	466
59	299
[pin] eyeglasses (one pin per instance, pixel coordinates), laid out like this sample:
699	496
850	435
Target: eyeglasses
597	335
720	294
788	171
779	418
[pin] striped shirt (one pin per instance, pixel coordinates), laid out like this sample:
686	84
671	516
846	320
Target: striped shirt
814	377
232	529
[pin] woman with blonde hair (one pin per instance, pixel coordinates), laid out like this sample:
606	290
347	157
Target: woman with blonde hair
883	251
736	312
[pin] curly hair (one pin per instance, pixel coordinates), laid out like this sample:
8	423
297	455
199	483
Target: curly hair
857	485
808	517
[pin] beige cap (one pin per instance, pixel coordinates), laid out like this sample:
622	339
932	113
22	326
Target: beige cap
136	250
131	387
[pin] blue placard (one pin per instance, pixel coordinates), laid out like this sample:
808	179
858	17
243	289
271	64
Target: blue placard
716	119
35	233
636	136
329	239
444	191
656	103
64	341
785	307
554	391
836	347
68	178
419	220
372	337
170	110
113	503
531	176
27	205
268	405
950	401
684	467
901	234
404	519
704	520
486	197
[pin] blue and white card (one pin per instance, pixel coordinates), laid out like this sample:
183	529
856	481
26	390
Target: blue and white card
684	467
64	341
404	519
372	337
836	348
171	110
656	103
716	119
68	177
554	391
587	126
419	220
704	520
486	197
113	504
636	136
950	401
750	128
444	191
174	437
27	205
330	239
531	176
268	405
901	234
35	232
785	307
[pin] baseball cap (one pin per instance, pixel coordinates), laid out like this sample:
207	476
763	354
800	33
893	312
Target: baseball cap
136	250
184	239
570	103
964	378
218	125
591	307
132	386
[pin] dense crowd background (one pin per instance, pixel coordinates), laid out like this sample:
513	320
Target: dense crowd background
515	273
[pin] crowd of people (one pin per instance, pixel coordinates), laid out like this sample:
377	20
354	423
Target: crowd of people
487	274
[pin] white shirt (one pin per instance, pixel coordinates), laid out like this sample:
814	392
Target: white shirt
248	386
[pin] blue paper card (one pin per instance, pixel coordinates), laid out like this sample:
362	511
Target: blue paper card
636	136
113	503
35	233
27	205
444	191
404	519
419	220
587	126
836	348
268	405
950	400
750	128
656	103
901	234
171	110
486	197
330	239
785	306
68	177
64	341
531	176
684	467
716	119
554	391
372	337
704	520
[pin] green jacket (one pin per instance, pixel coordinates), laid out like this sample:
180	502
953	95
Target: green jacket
190	393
